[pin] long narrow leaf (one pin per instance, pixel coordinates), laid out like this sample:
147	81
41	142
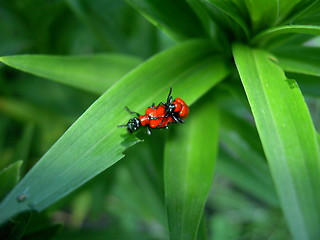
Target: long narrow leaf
305	60
311	14
174	17
309	85
267	35
288	138
231	9
94	73
291	9
263	13
190	156
9	177
94	142
247	166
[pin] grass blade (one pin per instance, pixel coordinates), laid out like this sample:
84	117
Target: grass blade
9	177
190	155
263	14
94	73
265	36
288	138
292	9
303	60
246	165
309	85
176	18
94	143
231	9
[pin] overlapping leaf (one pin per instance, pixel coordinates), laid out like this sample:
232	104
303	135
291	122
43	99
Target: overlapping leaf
94	73
93	143
174	17
305	60
242	160
265	36
288	138
232	9
263	13
190	156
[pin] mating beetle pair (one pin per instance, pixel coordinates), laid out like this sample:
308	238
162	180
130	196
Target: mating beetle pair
160	116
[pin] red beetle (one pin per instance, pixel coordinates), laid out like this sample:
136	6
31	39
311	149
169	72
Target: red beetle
159	116
177	109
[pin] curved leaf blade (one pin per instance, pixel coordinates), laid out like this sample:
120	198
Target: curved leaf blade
263	14
309	85
94	73
190	155
267	35
243	160
292	9
9	177
288	138
176	18
305	60
94	143
233	10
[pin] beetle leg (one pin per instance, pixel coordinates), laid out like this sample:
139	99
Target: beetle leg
177	119
161	122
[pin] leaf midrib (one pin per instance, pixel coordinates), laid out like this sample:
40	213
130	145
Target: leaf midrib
280	143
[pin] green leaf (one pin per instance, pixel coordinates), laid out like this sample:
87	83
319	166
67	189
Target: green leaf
310	16
201	11
23	145
118	232
108	36
223	228
265	36
309	85
242	175
15	228
49	232
292	9
234	11
288	138
94	73
203	231
263	13
305	60
94	142
9	177
176	18
141	175
243	160
190	155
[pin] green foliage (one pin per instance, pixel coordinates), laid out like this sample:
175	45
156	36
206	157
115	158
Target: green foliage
239	64
188	180
94	73
284	125
9	177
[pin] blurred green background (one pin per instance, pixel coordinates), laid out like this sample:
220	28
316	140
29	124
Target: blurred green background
126	201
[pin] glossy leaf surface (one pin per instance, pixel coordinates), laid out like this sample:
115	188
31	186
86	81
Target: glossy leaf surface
288	138
94	73
190	155
94	142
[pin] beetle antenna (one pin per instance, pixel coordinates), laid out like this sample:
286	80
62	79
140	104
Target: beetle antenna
169	98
